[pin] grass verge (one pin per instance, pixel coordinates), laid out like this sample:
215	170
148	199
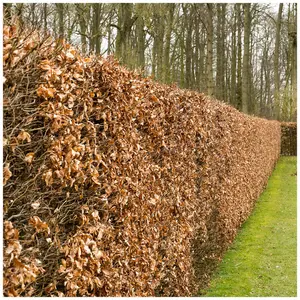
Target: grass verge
262	260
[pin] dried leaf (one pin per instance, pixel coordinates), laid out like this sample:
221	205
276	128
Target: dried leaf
47	176
29	157
6	173
106	272
39	225
23	135
35	205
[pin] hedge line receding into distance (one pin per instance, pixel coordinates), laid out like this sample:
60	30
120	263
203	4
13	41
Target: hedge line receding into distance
289	138
115	185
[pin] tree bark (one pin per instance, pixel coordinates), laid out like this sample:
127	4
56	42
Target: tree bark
166	63
60	12
239	59
293	37
125	22
188	18
140	34
209	63
81	12
220	52
246	71
276	63
45	17
233	62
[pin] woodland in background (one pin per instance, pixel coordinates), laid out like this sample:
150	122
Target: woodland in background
242	54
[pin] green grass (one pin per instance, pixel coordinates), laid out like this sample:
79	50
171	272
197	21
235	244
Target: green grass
262	260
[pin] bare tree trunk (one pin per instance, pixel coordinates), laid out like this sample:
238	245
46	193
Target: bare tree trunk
154	55
223	61
188	49
246	71
45	17
293	37
125	22
140	34
262	98
233	62
182	81
160	32
33	14
109	35
81	14
276	63
220	52
197	52
96	30
60	12
239	59
209	63
166	63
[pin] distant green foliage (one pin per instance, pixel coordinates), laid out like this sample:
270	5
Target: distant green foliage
262	261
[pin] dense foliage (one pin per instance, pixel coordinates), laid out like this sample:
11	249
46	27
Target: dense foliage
115	185
289	138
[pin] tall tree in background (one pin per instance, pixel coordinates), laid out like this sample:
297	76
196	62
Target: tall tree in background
45	14
60	12
239	58
276	63
169	26
96	31
140	37
125	22
245	56
188	18
81	11
246	74
209	63
293	38
233	88
220	84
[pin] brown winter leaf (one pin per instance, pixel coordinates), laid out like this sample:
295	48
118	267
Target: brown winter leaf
5	57
46	92
70	56
47	176
35	205
45	65
39	225
29	157
18	264
12	292
9	249
23	135
106	272
153	98
6	173
29	45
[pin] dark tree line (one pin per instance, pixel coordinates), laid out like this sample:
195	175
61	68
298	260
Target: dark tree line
242	54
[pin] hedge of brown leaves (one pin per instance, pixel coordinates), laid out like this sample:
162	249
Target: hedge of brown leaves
115	185
289	138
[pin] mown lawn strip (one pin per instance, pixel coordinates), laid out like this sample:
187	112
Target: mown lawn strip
262	260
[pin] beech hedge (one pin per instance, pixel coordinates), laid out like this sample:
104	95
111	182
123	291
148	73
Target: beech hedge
289	138
115	185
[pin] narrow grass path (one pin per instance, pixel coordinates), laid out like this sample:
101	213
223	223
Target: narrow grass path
262	260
